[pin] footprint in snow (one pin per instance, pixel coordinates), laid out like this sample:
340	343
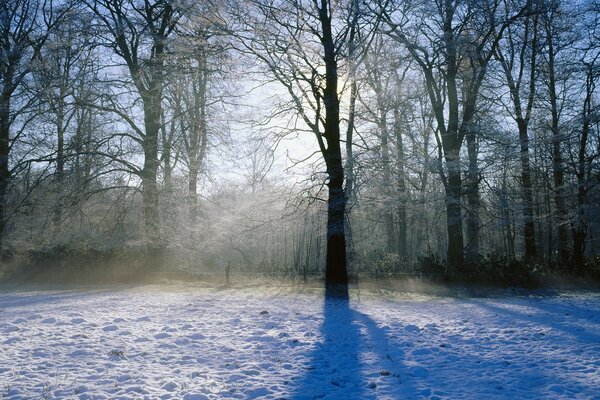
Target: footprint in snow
110	328
196	336
79	353
195	396
11	328
169	386
49	320
419	372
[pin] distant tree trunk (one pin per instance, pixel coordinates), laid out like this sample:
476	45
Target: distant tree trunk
141	43
401	185
60	161
349	189
388	215
4	158
193	192
527	192
580	226
505	210
167	156
352	65
557	161
473	201
522	114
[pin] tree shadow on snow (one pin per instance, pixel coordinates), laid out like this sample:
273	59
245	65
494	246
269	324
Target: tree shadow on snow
352	360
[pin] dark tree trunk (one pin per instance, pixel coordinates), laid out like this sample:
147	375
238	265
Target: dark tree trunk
152	107
557	161
456	256
336	272
580	226
473	201
527	190
60	164
4	159
335	269
522	117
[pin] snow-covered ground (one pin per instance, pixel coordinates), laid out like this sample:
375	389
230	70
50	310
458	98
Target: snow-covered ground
202	343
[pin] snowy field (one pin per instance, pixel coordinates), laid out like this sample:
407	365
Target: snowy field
189	342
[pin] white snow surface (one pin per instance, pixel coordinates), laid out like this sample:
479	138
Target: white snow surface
189	342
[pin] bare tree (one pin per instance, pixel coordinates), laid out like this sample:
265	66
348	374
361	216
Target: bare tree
25	26
138	31
301	44
518	57
452	45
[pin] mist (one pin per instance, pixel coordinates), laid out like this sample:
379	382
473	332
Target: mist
192	143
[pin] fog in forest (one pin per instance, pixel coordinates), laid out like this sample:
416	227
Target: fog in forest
230	140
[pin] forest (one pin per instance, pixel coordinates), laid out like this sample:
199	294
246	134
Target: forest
299	199
302	139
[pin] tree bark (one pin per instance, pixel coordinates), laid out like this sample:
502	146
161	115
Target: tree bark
401	186
388	215
580	225
557	161
527	192
152	112
4	159
60	162
473	200
456	256
336	272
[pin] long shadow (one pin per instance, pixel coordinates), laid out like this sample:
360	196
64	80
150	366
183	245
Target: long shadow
32	294
31	299
562	335
352	361
554	319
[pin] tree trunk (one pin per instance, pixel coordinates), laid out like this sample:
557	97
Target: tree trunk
335	269
401	186
527	191
149	175
4	159
557	162
60	165
473	200
336	272
456	256
388	215
193	193
580	225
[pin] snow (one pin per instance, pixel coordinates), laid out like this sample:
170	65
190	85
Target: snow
191	342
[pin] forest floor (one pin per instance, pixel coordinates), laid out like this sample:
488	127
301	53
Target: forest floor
197	342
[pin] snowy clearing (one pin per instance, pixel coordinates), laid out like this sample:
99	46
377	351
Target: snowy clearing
201	343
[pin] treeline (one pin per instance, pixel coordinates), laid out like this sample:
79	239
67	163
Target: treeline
452	137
